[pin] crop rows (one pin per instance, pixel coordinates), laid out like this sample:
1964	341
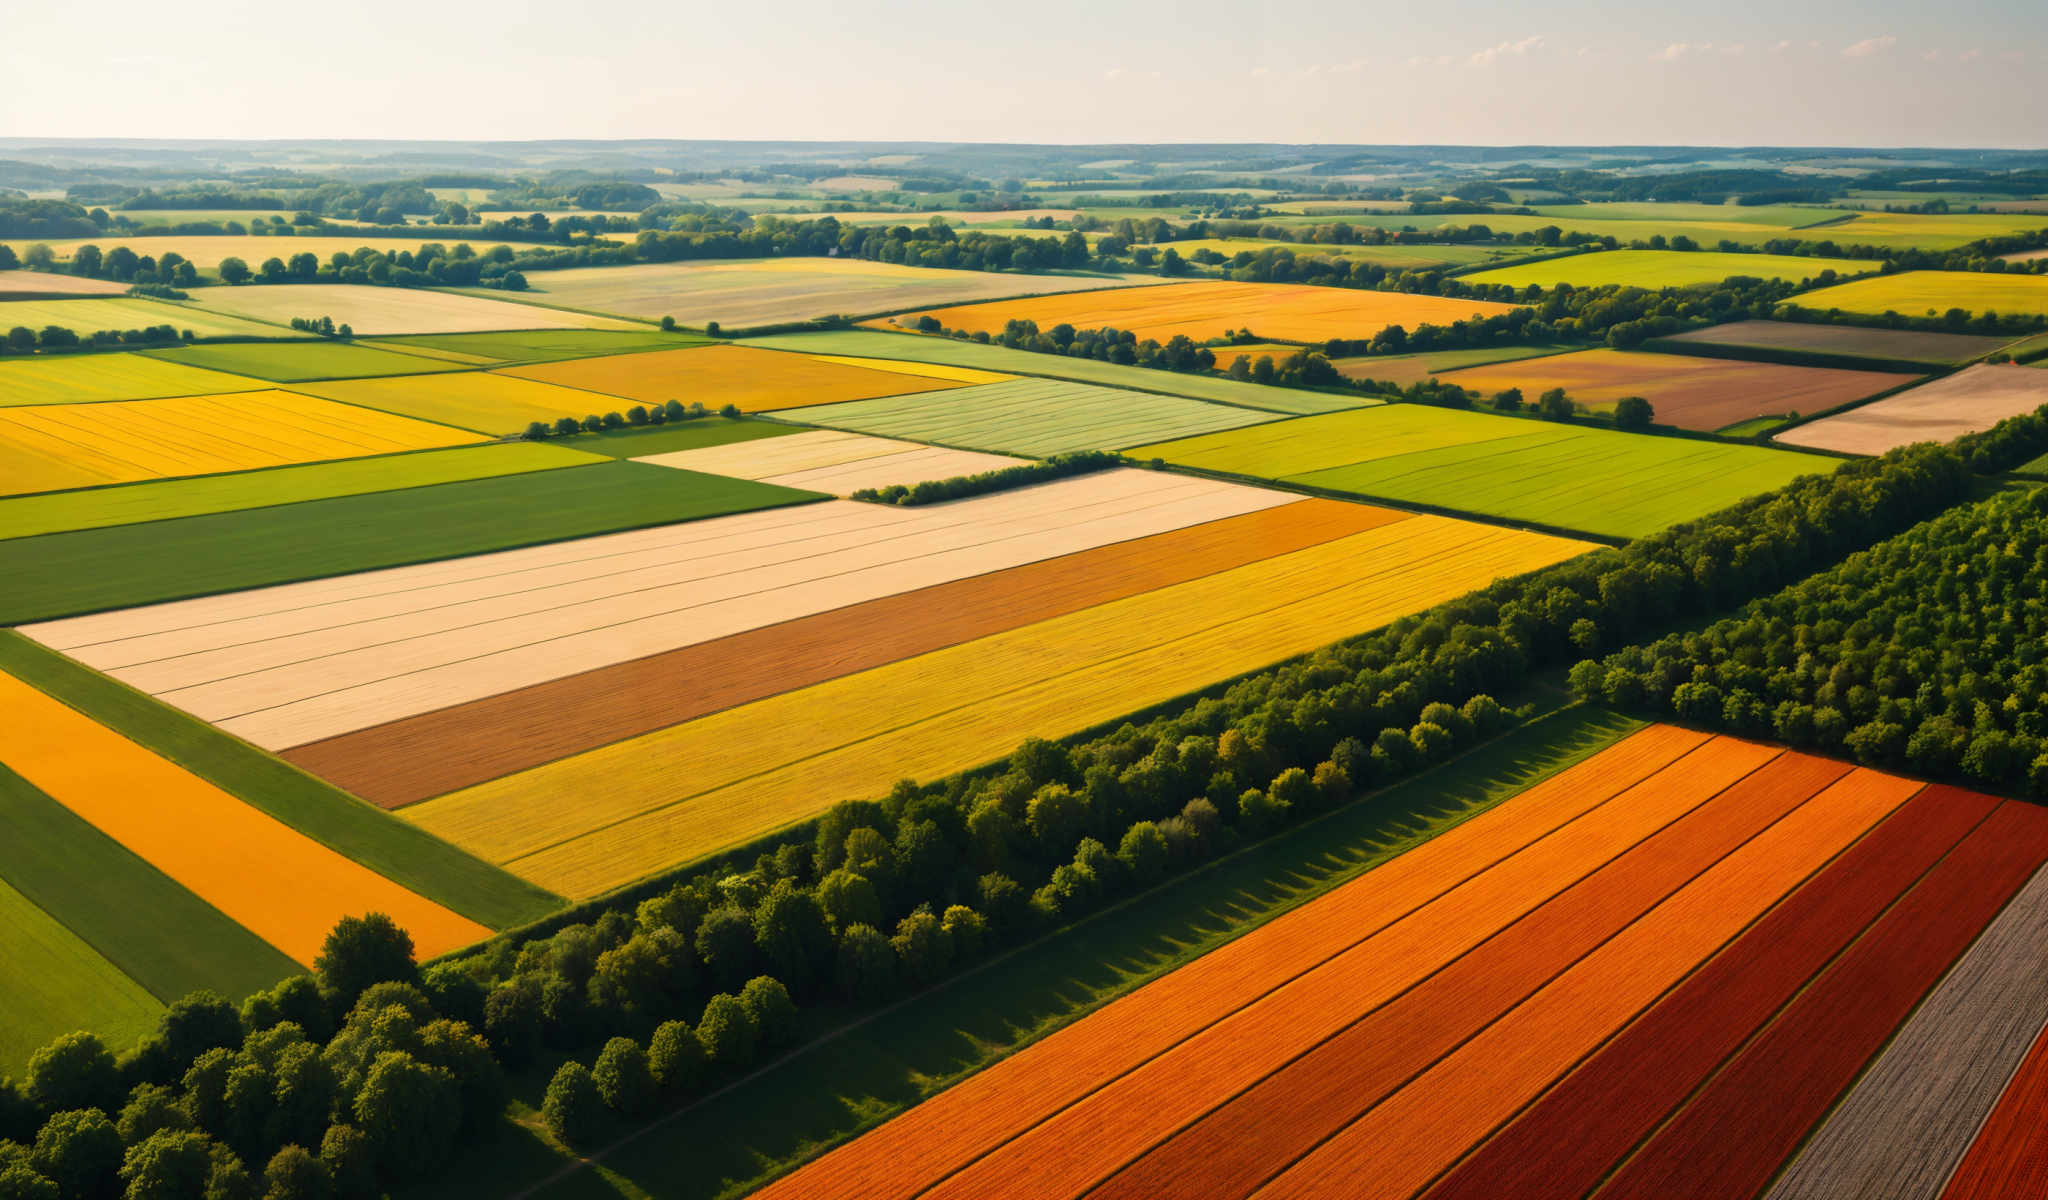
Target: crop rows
715	376
106	377
1973	399
834	462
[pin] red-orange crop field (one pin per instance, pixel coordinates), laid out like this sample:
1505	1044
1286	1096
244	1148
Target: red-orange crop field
2009	1159
1695	940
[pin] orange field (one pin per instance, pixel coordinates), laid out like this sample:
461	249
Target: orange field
715	376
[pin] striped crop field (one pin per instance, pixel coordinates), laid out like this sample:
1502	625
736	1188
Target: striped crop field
760	766
1655	269
285	666
163	500
537	345
296	362
1970	400
51	447
1911	347
370	311
83	377
57	984
715	376
827	460
1650	975
1206	309
1691	393
121	313
1921	293
1034	417
1414	368
43	285
1595	480
481	400
276	882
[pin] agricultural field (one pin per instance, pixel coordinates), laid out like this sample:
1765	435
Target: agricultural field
77	378
1393	257
829	461
1907	346
715	376
1691	393
1665	268
1416	368
532	346
1974	398
1594	481
42	285
207	250
750	292
372	311
1923	293
92	314
1886	231
480	400
56	984
1207	309
298	362
52	447
1034	417
1516	1005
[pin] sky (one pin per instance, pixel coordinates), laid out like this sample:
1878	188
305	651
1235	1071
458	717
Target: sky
1486	72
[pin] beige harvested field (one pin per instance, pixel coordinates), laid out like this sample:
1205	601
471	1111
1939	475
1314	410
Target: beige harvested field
288	665
1973	399
748	292
830	461
43	283
375	311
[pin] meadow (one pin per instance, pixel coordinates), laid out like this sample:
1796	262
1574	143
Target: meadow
299	362
88	316
1974	398
370	311
715	376
833	462
1691	393
1209	308
1665	268
479	400
1035	417
77	378
1566	476
51	447
1923	293
1907	346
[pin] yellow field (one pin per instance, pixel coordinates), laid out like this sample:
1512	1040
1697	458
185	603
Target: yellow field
1206	309
595	821
71	379
1921	293
48	447
280	884
207	251
715	376
926	370
484	401
90	315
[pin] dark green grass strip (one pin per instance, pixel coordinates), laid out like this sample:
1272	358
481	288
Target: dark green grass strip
66	574
332	817
159	934
689	435
834	1088
547	345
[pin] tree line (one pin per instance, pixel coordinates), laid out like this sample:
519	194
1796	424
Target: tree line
957	487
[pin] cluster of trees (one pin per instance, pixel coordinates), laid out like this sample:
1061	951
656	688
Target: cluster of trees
1923	653
638	415
430	265
933	491
120	264
21	217
324	326
59	338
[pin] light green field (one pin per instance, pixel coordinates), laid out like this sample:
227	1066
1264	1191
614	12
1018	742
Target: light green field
1665	268
90	315
1034	417
1888	231
1778	216
378	311
300	361
479	400
1932	293
1411	257
96	508
535	346
75	378
55	984
1565	476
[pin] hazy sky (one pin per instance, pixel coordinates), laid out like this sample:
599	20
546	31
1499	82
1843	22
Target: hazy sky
1792	72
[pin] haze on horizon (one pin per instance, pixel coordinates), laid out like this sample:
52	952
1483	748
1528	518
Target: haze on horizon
1488	72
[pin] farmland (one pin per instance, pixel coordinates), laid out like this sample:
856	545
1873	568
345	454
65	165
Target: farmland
538	345
1920	293
207	250
1974	398
839	463
1665	268
1396	257
480	400
1842	341
1886	231
44	448
106	377
1032	416
41	285
86	316
752	292
370	311
1691	393
1414	368
1206	309
57	984
301	361
1593	480
715	376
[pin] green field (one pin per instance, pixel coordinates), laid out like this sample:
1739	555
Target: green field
161	500
908	347
294	362
64	574
129	312
56	984
149	926
1565	476
1416	257
1755	427
544	345
1886	231
1665	268
766	1124
391	847
79	378
1777	216
688	435
1415	368
1931	293
1035	417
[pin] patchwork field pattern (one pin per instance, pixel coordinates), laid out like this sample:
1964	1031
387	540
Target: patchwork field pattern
541	345
295	362
749	292
126	312
1206	309
829	461
1036	417
88	377
1974	398
956	707
1595	480
1849	341
1512	1007
45	448
1654	269
370	311
1692	393
1415	368
1918	293
481	400
715	376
